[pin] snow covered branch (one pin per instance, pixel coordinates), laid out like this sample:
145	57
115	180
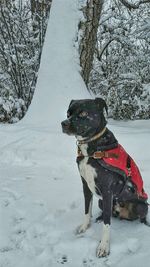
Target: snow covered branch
100	53
130	5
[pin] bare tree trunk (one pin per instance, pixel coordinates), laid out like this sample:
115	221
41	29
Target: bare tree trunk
92	12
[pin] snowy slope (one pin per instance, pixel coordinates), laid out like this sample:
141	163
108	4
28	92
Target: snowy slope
41	200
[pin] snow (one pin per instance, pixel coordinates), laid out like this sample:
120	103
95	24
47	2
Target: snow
41	199
59	79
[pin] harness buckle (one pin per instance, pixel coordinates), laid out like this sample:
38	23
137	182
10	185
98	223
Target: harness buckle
98	155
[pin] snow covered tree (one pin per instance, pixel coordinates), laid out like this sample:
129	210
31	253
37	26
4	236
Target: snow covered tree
20	52
40	13
122	60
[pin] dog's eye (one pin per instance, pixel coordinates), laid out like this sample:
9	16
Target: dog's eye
68	114
83	114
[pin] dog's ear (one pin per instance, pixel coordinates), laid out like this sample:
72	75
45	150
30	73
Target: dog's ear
101	104
71	102
68	111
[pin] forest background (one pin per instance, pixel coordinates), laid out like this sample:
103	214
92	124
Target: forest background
113	41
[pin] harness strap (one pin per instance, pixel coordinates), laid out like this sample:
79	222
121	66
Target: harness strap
128	166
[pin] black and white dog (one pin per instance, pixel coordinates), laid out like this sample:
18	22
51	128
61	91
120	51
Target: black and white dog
117	192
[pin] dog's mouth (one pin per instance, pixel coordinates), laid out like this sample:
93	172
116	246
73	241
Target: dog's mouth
66	127
67	131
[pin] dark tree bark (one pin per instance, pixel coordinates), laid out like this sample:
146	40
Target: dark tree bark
92	12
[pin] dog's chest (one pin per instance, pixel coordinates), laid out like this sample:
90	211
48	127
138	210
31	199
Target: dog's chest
87	171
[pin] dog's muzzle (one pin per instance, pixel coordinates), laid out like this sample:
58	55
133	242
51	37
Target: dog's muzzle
66	126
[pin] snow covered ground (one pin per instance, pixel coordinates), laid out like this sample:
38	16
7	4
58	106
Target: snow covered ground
41	200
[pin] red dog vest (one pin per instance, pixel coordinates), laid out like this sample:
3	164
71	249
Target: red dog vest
121	162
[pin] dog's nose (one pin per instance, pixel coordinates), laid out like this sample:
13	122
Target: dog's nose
65	123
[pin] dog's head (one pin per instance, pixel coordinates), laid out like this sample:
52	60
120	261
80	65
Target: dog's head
85	117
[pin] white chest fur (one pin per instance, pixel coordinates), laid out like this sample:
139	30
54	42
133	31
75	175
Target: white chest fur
86	170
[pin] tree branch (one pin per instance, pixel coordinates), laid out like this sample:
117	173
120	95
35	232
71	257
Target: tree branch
133	6
100	53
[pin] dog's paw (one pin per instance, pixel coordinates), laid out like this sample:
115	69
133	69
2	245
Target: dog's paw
103	249
82	228
86	224
99	218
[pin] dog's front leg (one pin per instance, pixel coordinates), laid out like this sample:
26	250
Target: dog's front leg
103	248
88	198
